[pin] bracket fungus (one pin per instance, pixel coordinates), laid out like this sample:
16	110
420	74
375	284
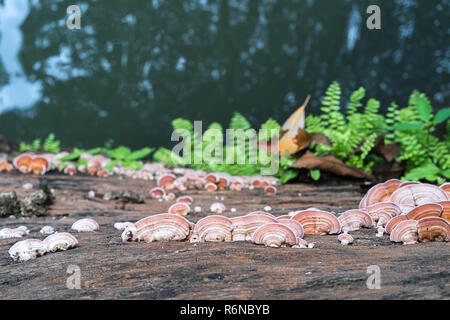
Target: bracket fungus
414	195
270	190
185	199
5	166
122	225
217	207
46	230
284	217
379	193
445	210
245	226
318	222
8	233
166	180
406	232
264	213
446	188
210	187
394	222
212	228
85	225
424	211
274	235
157	193
60	241
345	238
179	208
433	229
353	220
382	209
295	226
159	227
27	249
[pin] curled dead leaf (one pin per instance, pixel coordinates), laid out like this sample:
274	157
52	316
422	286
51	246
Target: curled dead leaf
330	164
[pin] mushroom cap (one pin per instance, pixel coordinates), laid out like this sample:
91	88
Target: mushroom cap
122	225
212	228
60	241
394	222
160	227
433	228
186	199
295	226
8	233
179	208
318	222
345	238
425	210
445	210
264	213
223	182
352	220
270	190
217	207
212	178
157	192
446	188
70	170
23	160
405	231
405	183
418	194
27	249
378	209
39	165
245	226
274	235
210	186
85	225
284	217
165	180
380	192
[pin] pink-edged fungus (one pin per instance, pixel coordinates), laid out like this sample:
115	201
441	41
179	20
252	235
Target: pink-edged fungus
345	238
212	178
418	194
102	173
424	211
406	183
433	229
60	241
166	180
353	220
27	249
245	226
157	193
70	170
179	208
406	232
210	187
23	161
274	235
318	222
445	210
212	228
8	233
270	190
284	217
295	226
218	207
383	208
85	225
223	182
159	227
39	165
264	213
380	192
446	188
185	199
171	196
394	222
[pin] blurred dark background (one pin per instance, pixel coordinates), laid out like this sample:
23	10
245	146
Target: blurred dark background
137	64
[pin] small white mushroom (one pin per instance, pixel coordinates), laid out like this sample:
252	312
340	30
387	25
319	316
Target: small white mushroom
267	208
85	225
122	225
47	230
198	209
27	249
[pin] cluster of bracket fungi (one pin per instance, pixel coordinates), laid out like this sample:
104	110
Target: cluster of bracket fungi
169	180
409	212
